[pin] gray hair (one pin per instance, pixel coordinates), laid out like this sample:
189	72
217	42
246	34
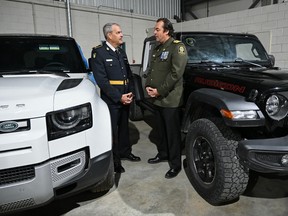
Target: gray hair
107	28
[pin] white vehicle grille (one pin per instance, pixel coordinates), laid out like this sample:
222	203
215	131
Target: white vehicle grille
17	205
18	174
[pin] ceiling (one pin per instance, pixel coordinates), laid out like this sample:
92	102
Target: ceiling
193	2
187	7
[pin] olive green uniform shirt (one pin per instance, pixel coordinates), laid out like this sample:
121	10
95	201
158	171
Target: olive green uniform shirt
166	72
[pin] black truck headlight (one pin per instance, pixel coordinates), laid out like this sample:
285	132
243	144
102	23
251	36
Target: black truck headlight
69	121
277	107
239	114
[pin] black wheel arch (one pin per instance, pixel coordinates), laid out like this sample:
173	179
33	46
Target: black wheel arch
211	101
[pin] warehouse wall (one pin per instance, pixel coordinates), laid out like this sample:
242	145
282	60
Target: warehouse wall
211	8
269	23
163	8
50	17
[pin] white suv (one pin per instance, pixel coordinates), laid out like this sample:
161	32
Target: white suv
55	131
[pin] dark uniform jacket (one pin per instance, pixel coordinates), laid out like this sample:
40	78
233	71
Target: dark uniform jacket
166	72
111	72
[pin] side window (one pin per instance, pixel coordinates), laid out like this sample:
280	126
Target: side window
247	52
149	46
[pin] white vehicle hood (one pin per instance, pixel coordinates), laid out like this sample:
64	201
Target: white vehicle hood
27	96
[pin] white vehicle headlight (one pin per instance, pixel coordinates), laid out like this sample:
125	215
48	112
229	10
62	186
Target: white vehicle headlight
69	121
276	107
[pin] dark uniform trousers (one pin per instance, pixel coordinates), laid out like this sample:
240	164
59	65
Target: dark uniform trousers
120	130
168	125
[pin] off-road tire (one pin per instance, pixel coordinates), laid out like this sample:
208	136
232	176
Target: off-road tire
135	112
212	164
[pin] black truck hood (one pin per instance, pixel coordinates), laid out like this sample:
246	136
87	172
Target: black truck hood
264	79
240	81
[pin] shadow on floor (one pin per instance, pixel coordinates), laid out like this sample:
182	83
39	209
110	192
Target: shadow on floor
133	134
149	119
267	186
62	206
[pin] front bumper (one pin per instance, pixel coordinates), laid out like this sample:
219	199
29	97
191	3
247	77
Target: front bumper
55	178
264	155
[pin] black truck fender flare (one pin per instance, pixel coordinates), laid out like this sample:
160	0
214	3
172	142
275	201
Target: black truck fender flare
223	100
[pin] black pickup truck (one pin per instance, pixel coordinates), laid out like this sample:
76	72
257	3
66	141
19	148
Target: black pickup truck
234	119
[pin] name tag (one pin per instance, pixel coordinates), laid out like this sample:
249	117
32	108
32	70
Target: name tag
109	60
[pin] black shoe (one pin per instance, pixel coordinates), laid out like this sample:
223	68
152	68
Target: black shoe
131	157
156	159
119	169
172	173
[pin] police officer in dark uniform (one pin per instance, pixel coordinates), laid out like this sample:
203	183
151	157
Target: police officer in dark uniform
112	72
164	84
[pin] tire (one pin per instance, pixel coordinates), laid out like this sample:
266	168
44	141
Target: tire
212	164
135	112
108	182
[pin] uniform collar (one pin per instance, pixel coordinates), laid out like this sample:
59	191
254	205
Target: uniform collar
110	46
166	44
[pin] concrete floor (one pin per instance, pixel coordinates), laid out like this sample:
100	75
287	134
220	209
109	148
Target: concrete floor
143	190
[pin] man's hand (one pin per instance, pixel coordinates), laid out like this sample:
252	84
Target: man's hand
152	92
126	99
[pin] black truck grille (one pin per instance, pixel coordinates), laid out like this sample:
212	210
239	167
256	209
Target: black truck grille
18	174
273	159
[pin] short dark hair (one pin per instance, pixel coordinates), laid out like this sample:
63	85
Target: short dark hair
167	25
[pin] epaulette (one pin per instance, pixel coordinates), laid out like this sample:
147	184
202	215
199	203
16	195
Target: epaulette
176	41
93	50
100	45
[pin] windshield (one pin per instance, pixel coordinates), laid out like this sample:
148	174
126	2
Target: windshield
224	48
22	54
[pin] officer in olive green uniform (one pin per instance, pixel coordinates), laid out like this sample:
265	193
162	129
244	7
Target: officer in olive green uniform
165	85
166	71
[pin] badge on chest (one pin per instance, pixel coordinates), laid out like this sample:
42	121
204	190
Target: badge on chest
164	55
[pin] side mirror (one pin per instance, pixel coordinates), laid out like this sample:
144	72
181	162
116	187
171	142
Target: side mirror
272	60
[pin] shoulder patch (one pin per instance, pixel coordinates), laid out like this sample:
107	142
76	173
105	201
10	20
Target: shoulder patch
181	50
176	41
94	55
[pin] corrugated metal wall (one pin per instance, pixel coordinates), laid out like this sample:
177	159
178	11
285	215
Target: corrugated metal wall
157	8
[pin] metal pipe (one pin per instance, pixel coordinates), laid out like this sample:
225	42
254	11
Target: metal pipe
34	18
69	18
208	8
99	24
